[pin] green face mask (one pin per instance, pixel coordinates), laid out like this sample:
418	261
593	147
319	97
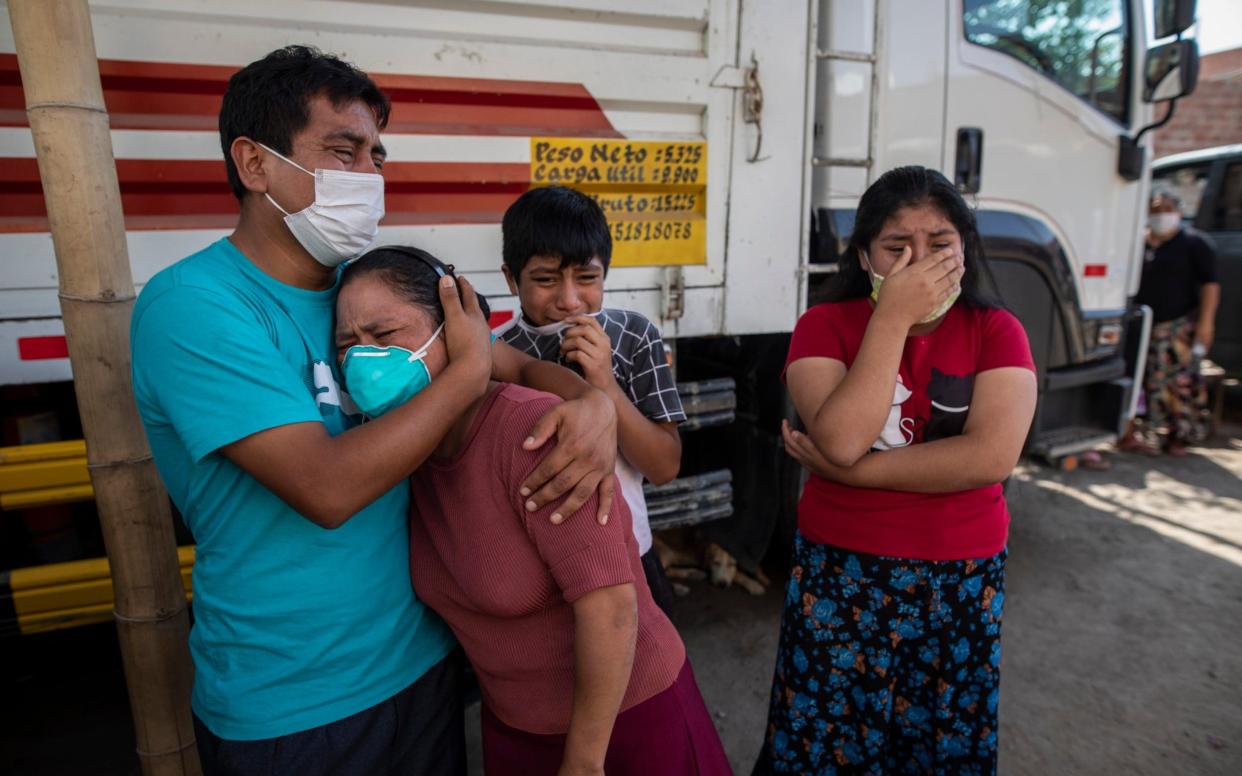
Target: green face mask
877	280
379	379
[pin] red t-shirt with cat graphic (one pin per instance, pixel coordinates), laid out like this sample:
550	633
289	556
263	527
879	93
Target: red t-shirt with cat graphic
931	401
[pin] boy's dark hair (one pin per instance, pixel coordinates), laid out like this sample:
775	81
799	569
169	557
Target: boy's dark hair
268	100
900	188
555	221
412	273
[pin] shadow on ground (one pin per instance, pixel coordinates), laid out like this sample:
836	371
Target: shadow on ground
1122	638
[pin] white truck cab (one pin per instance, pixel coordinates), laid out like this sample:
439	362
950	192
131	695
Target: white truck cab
1030	107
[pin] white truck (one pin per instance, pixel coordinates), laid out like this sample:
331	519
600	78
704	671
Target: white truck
729	141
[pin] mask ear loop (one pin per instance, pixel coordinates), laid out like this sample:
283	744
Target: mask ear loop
286	159
282	157
418	354
862	255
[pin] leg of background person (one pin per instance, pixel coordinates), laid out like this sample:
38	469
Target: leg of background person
1161	370
1189	418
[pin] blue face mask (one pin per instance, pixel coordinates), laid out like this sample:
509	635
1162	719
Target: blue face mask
379	379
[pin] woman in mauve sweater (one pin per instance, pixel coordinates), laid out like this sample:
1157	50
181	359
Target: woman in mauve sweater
580	671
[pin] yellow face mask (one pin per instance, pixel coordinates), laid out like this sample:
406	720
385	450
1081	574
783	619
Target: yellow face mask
877	280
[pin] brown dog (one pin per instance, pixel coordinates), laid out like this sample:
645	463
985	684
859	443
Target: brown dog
688	564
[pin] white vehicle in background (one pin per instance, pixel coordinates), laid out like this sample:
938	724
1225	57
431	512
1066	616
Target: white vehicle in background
729	141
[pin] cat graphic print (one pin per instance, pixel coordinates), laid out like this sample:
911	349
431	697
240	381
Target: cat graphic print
898	431
950	404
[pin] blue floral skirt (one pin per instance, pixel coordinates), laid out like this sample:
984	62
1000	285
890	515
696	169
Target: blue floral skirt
886	665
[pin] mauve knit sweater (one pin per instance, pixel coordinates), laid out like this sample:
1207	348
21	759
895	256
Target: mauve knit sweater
504	579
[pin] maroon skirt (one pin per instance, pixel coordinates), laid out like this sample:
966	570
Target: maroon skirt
669	734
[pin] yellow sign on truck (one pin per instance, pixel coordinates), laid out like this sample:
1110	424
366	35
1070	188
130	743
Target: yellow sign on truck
654	193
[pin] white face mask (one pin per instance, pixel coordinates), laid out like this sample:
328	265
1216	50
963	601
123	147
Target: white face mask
344	218
1164	223
556	327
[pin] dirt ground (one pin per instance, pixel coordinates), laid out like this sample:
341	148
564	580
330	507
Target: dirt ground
1122	641
1122	638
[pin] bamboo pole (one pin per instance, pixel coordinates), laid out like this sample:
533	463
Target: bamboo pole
64	102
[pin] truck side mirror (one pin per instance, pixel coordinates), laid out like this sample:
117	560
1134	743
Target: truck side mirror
1171	71
1172	17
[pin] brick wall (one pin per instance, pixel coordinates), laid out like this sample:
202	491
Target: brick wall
1212	116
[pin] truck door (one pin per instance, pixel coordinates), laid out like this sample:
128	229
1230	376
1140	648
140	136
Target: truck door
1037	97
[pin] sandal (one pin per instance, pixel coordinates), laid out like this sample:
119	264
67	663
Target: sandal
1134	443
1093	460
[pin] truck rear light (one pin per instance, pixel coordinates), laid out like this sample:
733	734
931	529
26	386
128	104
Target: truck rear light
1109	335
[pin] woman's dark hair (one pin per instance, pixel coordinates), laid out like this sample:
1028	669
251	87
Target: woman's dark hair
412	273
901	188
268	100
555	221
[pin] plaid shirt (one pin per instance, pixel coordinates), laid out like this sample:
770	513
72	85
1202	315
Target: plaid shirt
639	362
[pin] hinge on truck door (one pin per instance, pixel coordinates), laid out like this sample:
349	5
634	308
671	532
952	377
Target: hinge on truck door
746	79
673	294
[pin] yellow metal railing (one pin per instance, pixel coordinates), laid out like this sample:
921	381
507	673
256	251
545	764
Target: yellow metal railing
66	595
44	474
56	595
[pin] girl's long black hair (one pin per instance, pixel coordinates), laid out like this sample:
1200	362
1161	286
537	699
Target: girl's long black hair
896	189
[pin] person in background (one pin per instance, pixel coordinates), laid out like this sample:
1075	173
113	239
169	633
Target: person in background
580	671
557	249
917	394
1180	286
312	655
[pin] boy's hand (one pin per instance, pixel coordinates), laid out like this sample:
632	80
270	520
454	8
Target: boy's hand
583	460
587	345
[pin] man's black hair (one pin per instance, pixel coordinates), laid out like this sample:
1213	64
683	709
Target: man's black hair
555	221
412	273
899	188
268	101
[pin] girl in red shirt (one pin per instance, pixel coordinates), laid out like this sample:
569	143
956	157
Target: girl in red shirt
917	394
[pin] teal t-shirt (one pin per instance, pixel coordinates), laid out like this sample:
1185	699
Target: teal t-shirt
295	626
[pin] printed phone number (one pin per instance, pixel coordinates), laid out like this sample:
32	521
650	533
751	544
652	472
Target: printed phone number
648	231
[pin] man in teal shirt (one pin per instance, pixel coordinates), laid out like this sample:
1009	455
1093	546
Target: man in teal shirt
312	654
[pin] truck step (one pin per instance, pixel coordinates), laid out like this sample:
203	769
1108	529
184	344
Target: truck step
1056	444
715	385
708	403
690	500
